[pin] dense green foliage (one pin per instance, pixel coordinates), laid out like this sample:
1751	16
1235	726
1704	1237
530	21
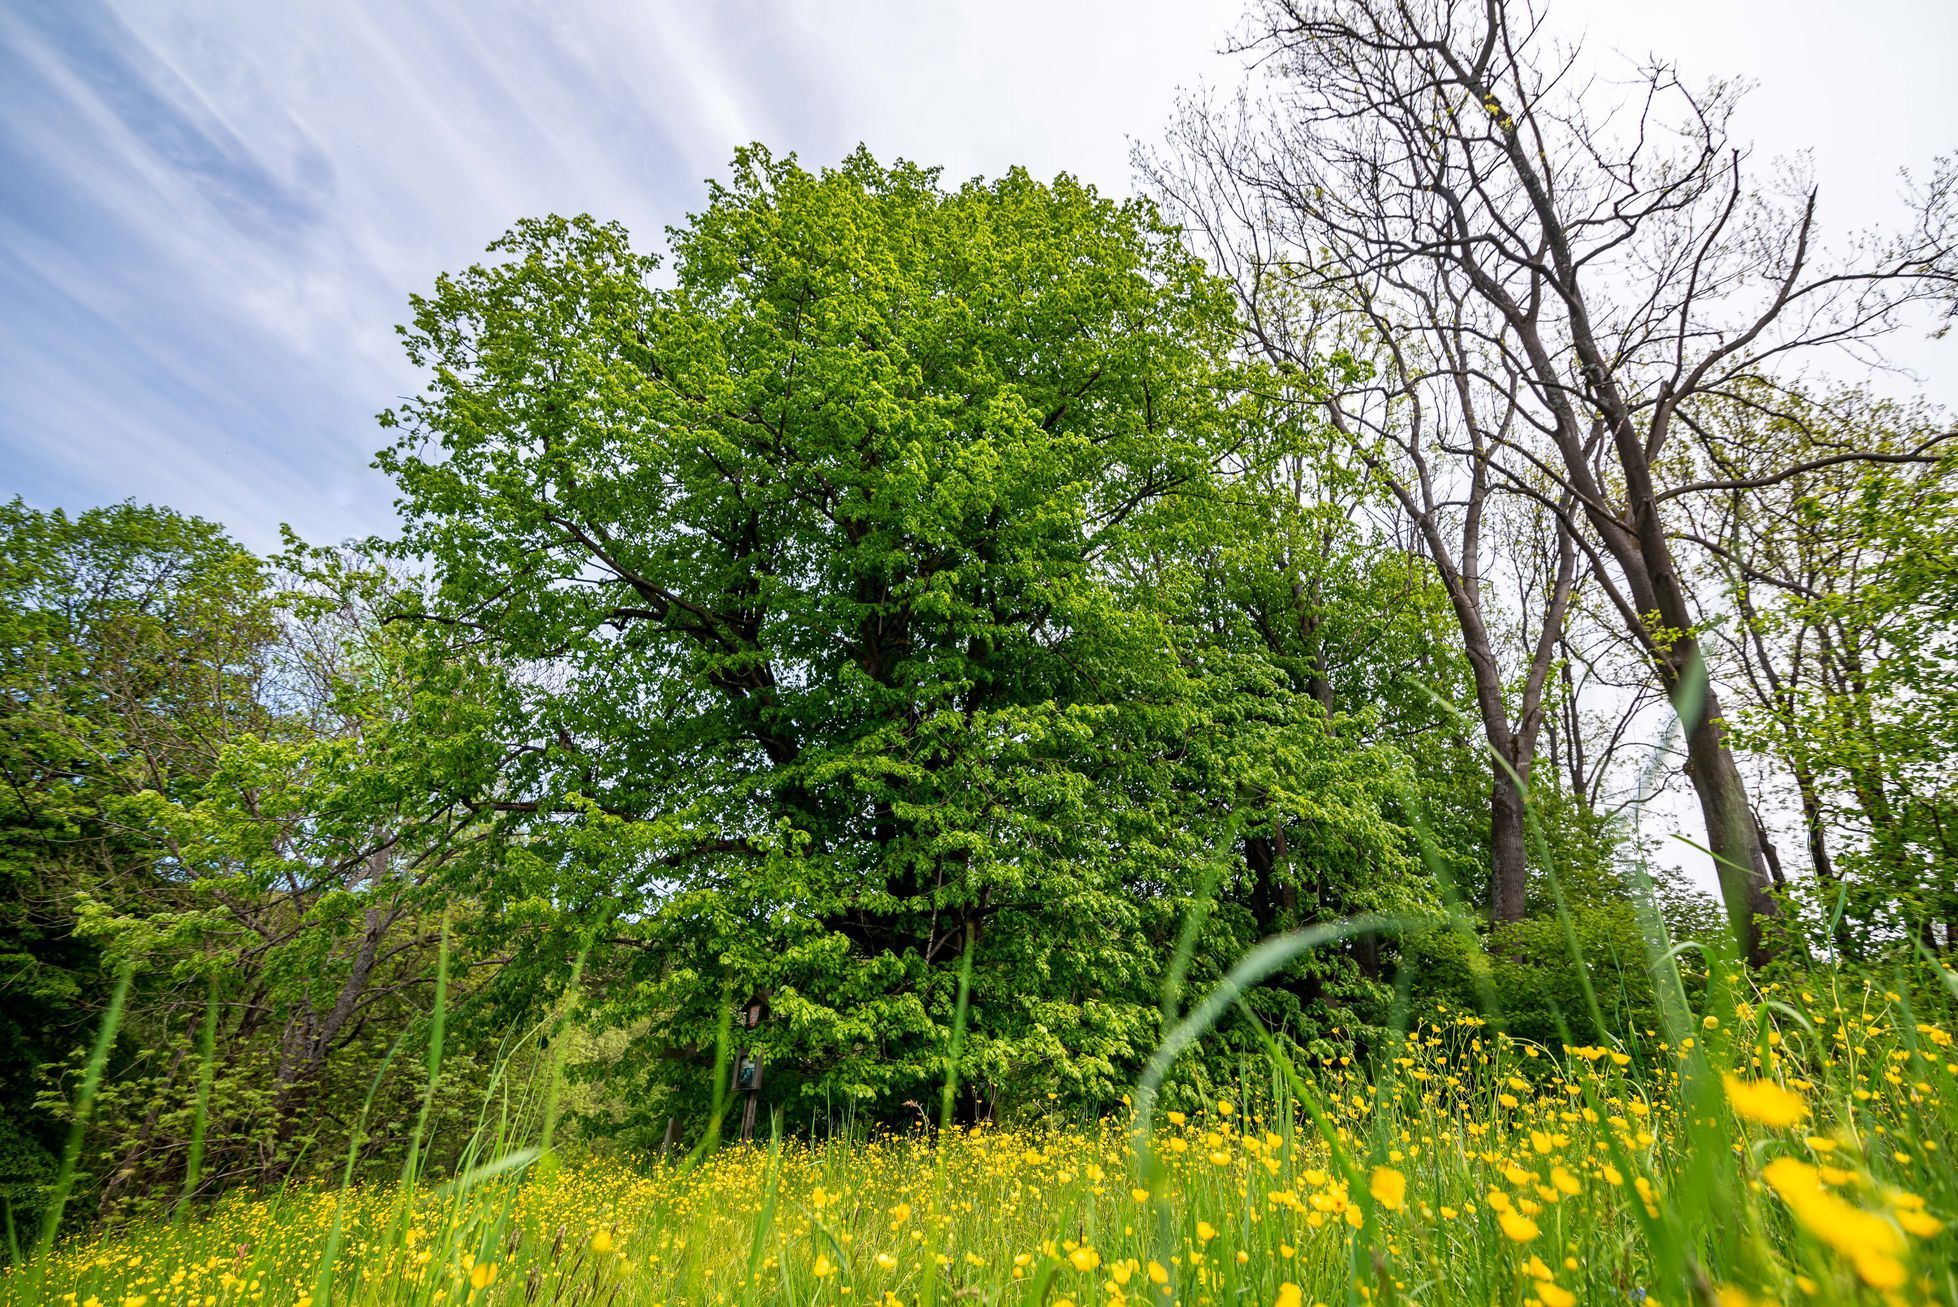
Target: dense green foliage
893	591
240	783
129	638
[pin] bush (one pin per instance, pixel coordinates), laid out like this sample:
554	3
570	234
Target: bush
1528	968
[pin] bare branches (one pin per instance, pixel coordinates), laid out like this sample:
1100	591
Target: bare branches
1928	451
1544	287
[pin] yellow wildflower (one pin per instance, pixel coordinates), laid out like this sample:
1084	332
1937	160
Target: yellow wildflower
1388	1187
1919	1222
1517	1226
1764	1102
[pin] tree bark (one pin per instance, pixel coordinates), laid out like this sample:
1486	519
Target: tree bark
1732	832
1510	879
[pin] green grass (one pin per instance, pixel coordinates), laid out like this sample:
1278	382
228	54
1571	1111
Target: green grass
1469	1167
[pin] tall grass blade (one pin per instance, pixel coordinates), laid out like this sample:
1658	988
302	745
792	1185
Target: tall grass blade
438	1023
207	1057
98	1059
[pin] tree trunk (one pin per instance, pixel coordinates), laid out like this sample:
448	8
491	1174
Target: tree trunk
309	1038
1731	831
1317	683
1663	622
1772	854
1509	870
1510	879
1274	902
1814	826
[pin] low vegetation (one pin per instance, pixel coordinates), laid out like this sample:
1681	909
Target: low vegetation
1792	1147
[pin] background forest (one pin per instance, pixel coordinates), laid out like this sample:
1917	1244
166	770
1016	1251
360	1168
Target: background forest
900	602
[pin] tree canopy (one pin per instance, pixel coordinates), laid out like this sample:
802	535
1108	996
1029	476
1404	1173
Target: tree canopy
852	573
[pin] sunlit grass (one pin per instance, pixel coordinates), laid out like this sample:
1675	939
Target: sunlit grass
1794	1149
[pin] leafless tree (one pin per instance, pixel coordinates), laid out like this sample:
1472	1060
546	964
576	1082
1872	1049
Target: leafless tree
1590	260
1415	398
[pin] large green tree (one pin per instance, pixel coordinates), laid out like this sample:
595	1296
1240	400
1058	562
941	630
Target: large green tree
852	636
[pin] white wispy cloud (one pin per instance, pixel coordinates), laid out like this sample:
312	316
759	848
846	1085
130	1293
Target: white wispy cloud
219	218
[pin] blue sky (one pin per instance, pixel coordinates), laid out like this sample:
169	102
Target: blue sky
213	212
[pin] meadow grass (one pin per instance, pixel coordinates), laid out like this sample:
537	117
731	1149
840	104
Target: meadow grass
1793	1144
1787	1141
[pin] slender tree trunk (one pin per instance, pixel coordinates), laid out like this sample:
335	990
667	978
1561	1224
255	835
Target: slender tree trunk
1815	829
1509	865
1814	825
1513	747
1779	698
1509	869
309	1037
1663	622
1274	899
1731	829
1644	555
1772	854
1317	683
1509	886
